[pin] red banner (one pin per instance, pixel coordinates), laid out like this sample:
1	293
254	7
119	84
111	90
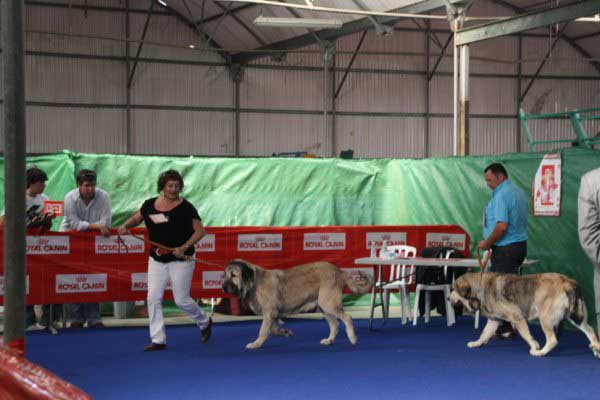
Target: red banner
71	267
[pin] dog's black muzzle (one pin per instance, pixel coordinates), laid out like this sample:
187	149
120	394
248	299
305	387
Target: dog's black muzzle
229	288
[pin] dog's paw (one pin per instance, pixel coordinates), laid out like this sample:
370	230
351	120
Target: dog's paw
326	342
284	332
474	345
353	339
253	345
535	344
595	350
536	352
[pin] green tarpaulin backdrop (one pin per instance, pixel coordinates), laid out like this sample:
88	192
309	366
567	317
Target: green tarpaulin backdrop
307	192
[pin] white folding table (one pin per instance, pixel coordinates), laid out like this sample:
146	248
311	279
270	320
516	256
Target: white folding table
379	263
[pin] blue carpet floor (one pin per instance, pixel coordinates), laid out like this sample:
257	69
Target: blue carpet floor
395	361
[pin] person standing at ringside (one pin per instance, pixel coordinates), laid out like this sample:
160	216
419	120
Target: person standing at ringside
588	214
87	208
35	217
173	223
504	228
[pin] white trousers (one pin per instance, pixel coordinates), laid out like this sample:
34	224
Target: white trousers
180	273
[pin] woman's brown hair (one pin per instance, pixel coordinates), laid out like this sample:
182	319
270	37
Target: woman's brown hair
169	175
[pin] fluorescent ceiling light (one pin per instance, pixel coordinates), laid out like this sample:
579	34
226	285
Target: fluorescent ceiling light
163	2
298	22
595	18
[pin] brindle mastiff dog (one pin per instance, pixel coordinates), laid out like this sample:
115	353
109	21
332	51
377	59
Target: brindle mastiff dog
274	293
550	297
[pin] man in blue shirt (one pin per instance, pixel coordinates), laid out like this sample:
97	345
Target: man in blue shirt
504	227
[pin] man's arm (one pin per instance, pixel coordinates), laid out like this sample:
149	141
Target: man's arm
497	233
103	224
501	213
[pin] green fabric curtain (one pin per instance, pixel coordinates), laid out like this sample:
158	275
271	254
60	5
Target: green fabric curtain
308	192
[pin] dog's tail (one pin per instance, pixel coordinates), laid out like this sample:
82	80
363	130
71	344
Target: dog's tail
577	310
359	285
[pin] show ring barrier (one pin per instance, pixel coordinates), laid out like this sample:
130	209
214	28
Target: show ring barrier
72	267
21	379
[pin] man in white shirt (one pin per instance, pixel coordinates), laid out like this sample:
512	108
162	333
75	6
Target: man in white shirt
86	208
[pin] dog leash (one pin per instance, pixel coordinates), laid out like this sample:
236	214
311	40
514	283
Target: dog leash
166	249
482	265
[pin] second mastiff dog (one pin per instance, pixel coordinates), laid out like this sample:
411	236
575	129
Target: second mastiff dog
550	297
275	293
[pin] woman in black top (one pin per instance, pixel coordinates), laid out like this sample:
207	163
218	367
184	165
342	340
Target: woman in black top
175	225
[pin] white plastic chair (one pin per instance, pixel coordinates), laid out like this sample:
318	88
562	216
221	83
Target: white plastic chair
401	277
446	288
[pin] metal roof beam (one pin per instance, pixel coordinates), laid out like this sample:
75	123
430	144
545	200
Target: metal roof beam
586	36
211	42
227	12
569	39
219	15
140	44
348	28
526	22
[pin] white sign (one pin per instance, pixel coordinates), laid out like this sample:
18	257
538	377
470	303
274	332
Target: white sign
456	240
139	282
324	241
81	283
112	245
47	245
212	279
546	188
207	244
392	239
2	285
260	242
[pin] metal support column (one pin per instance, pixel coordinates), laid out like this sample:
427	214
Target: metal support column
13	59
327	49
455	94
236	74
464	101
519	73
456	16
427	80
333	107
128	136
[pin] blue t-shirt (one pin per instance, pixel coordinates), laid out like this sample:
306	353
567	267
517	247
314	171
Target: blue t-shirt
508	204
